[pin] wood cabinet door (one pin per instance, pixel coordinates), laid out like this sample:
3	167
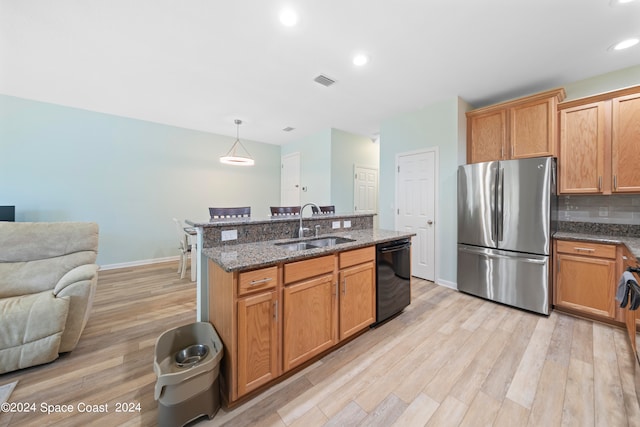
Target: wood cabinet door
487	136
625	143
257	341
586	284
582	148
533	129
357	299
309	319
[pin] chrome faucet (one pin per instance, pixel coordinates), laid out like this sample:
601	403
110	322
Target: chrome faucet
302	230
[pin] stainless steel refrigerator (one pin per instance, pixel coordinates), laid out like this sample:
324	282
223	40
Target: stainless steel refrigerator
505	226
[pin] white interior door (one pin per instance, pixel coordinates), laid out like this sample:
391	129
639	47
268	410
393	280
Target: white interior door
290	180
365	190
415	212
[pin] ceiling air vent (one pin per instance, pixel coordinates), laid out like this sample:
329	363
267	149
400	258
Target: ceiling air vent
288	129
324	80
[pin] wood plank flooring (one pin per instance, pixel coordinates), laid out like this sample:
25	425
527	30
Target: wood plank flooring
448	360
113	362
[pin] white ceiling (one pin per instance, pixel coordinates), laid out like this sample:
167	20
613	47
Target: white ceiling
200	64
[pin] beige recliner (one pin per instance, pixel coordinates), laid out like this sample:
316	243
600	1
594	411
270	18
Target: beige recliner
48	279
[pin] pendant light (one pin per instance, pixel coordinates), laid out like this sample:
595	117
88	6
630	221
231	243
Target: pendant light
233	157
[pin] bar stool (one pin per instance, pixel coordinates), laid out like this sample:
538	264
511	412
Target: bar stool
218	213
183	246
285	210
329	209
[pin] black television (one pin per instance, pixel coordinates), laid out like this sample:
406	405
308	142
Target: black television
7	213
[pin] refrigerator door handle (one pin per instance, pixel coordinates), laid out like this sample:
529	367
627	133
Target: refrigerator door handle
494	208
500	205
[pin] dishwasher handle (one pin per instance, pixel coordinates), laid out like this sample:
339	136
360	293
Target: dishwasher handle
395	248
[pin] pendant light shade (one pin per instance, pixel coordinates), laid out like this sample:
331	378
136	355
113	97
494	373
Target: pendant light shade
235	155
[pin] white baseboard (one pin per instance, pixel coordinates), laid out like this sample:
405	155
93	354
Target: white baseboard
447	284
138	263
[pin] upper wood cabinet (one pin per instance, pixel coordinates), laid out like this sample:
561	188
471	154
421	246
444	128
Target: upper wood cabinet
625	143
584	135
599	141
517	129
486	136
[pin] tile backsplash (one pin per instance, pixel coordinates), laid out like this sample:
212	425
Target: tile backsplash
615	209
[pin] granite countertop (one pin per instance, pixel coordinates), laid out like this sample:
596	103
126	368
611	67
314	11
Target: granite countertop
632	243
245	256
271	219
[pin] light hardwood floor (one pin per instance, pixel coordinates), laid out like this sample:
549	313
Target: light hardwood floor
449	360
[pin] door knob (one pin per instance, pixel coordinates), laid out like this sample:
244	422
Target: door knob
429	222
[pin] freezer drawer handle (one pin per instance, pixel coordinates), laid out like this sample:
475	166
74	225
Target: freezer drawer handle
480	252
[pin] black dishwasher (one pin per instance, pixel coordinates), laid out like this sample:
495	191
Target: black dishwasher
393	278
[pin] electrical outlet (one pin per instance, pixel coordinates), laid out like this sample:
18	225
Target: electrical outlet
347	224
229	235
335	224
603	212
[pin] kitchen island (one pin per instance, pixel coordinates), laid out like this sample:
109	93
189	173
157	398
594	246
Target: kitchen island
279	302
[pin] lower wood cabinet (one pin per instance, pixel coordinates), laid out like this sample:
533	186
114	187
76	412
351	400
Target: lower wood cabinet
357	298
257	340
585	278
631	316
309	319
274	319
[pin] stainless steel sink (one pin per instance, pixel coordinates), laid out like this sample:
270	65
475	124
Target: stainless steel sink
296	246
330	241
314	243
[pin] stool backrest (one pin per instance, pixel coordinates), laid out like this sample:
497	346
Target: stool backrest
285	210
240	212
329	209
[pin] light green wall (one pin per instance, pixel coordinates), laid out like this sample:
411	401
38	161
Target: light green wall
326	164
604	83
438	125
130	176
347	150
315	166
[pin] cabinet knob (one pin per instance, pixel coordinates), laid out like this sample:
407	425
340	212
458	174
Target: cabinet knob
429	222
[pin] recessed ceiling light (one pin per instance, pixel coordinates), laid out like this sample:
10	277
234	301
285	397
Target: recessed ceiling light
360	59
288	17
625	44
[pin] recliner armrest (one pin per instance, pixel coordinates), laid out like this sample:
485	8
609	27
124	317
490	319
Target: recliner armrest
80	273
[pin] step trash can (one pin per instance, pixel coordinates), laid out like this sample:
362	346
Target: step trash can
187	363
